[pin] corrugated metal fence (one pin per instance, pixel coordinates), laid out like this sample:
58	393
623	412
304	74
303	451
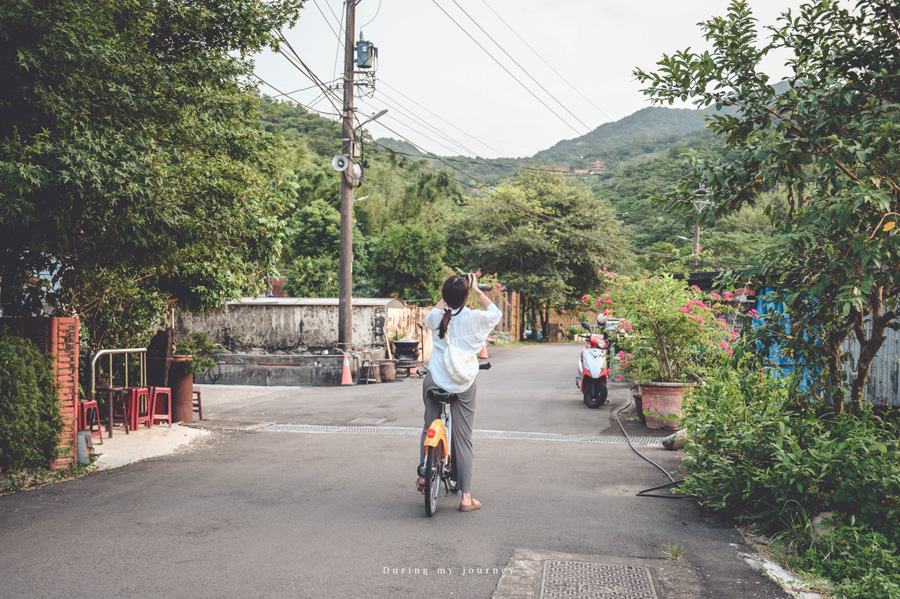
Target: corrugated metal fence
883	385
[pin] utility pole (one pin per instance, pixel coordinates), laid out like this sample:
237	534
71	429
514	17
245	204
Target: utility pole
698	204
696	246
345	276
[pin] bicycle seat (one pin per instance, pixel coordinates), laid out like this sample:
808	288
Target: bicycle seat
441	396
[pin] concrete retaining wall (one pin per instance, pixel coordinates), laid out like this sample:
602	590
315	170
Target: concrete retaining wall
269	370
290	327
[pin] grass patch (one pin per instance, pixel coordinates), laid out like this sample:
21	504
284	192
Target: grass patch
27	479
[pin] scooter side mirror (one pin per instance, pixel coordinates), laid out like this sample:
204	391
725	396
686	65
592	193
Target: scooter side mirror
585	326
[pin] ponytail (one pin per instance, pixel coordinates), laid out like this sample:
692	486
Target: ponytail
445	320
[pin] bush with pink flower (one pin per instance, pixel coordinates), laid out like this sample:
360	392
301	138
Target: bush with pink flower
670	332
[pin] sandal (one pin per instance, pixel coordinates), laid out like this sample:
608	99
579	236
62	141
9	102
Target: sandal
475	505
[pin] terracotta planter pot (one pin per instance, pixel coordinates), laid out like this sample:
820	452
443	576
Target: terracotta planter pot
182	385
662	399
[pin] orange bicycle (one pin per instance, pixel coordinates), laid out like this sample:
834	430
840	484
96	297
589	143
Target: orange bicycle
439	465
438	441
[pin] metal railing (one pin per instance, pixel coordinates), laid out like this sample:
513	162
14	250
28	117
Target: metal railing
110	352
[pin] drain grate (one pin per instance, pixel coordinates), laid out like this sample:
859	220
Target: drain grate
587	580
389	430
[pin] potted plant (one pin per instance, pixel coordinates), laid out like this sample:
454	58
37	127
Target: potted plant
670	337
193	355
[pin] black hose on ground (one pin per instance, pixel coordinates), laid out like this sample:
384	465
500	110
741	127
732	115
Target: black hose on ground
646	492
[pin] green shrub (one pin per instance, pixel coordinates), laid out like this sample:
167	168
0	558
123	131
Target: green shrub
202	349
30	419
861	563
756	452
763	456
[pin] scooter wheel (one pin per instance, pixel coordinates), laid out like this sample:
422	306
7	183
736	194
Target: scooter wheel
595	394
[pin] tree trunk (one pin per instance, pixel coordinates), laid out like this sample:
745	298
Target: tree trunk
869	344
867	352
545	322
523	315
833	389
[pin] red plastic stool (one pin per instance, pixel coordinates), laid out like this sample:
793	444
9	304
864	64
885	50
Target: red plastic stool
140	407
84	408
156	403
122	409
198	407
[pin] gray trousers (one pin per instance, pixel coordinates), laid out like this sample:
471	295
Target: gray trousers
463	412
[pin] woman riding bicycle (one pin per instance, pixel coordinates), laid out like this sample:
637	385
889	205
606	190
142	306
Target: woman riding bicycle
468	330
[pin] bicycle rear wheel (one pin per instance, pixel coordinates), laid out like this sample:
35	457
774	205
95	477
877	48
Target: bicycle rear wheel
434	463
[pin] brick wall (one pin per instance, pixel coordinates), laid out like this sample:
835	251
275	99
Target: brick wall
58	337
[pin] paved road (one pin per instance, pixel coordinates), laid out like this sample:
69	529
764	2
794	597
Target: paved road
281	514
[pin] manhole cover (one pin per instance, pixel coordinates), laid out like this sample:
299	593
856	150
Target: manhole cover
586	580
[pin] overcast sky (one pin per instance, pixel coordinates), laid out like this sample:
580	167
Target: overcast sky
427	63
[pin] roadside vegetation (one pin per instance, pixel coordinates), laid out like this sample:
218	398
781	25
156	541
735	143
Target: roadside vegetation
804	457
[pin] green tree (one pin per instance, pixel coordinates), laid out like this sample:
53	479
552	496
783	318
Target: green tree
407	263
546	236
831	141
314	248
132	169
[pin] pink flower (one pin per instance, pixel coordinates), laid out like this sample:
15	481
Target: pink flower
752	313
724	345
608	302
730	352
584	297
715	296
598	302
620	378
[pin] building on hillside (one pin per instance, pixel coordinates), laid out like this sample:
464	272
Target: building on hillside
579	171
598	168
562	168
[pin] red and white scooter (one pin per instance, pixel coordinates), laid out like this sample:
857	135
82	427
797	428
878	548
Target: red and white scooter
593	372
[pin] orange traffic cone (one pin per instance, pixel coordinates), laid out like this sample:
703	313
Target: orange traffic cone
346	379
484	353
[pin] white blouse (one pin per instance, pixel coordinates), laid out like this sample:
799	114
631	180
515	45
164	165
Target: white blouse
468	331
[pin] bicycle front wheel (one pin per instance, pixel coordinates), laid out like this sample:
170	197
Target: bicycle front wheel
434	462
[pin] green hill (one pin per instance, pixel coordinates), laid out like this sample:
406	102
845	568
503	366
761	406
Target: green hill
653	124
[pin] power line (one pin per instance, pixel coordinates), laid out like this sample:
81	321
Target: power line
373	18
382	93
302	89
517	80
299	103
337	53
524	70
327	22
422	122
308	73
536	53
547	106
